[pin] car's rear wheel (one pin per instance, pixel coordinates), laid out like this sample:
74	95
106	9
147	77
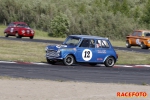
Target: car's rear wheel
50	61
143	46
128	45
109	62
31	37
69	60
6	35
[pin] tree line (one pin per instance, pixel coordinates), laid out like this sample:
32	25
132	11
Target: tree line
107	18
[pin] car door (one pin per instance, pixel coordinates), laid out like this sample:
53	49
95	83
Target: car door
136	38
86	51
133	38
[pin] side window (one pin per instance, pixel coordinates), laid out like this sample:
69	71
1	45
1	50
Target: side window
102	44
98	43
105	44
90	43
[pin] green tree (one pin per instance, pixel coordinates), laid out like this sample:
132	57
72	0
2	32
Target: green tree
146	15
60	26
125	8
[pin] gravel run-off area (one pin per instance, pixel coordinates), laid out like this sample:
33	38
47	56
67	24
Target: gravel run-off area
34	89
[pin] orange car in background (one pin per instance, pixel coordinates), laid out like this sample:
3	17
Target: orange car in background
139	38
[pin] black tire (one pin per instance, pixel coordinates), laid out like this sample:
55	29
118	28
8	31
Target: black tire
93	64
31	37
109	62
69	60
6	35
50	61
143	46
128	45
18	36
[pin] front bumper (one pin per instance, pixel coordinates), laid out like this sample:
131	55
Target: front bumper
27	35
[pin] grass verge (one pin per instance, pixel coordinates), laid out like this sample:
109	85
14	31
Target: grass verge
22	51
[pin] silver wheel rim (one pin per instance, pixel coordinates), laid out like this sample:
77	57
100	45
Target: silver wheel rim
16	34
5	34
110	61
69	60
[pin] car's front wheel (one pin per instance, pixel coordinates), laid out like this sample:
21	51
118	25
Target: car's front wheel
109	62
69	60
143	46
31	37
128	45
6	35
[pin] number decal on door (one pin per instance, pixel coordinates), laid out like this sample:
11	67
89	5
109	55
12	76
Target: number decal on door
87	54
138	41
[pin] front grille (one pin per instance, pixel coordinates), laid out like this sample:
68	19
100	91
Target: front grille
52	53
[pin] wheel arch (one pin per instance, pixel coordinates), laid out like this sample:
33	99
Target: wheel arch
65	55
110	56
128	40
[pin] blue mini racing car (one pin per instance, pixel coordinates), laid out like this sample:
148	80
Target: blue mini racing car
84	49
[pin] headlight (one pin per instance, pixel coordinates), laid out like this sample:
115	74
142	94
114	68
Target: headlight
46	48
23	31
32	31
148	41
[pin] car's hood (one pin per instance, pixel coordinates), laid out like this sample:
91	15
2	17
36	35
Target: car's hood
56	47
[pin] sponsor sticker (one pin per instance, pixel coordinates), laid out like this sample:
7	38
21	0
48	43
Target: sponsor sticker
101	51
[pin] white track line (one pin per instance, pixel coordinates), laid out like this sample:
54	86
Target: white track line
7	62
143	65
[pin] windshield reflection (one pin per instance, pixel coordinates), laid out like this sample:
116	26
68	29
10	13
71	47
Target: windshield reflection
73	41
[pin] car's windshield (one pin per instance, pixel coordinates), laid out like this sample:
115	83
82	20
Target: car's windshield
74	41
22	25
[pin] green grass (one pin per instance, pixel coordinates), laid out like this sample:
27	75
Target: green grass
126	57
22	51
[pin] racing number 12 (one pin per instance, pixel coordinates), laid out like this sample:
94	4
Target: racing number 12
87	54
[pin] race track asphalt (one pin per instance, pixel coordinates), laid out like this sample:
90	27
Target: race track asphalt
82	73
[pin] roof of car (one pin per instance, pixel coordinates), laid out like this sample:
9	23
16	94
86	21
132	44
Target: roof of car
89	36
19	22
